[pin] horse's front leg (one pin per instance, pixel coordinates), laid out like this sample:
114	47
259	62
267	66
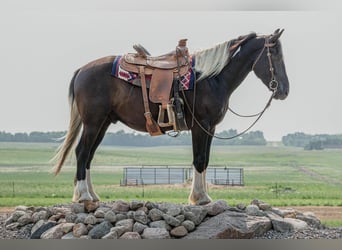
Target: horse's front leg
201	150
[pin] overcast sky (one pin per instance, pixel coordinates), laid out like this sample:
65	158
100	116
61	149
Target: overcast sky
43	43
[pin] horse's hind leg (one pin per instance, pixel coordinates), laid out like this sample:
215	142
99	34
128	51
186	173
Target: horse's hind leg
84	154
96	144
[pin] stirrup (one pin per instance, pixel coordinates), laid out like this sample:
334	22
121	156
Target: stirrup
170	116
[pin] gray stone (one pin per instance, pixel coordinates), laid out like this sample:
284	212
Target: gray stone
37	231
309	218
139	227
25	219
100	230
130	214
160	224
155	233
130	236
37	225
81	218
110	216
17	214
121	217
172	221
155	214
195	213
70	217
41	215
231	225
79	230
111	236
252	210
180	217
77	208
121	206
179	232
217	207
120	230
189	225
140	216
69	236
13	226
58	231
135	204
150	205
90	219
127	223
288	225
9	220
170	209
99	213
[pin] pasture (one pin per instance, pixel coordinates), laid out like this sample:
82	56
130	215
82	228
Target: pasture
281	176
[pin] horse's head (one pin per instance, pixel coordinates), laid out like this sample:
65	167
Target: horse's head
269	66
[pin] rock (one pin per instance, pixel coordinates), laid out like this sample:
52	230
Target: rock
140	216
195	213
180	217
70	217
288	225
110	216
111	236
9	220
217	207
130	214
127	223
100	230
21	208
170	209
130	236
17	214
253	210
139	227
150	205
58	231
99	213
155	233
144	209
135	204
80	218
79	230
121	217
121	206
90	206
77	208
309	218
189	225
41	215
38	230
290	213
69	236
241	206
179	232
13	226
155	214
120	230
160	224
172	221
231	225
90	219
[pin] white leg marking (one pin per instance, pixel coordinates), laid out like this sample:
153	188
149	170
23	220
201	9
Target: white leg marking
90	186
81	192
198	194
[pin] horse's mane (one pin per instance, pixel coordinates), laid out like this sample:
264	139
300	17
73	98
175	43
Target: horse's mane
210	62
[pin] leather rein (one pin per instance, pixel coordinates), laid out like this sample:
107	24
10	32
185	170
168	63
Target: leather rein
273	86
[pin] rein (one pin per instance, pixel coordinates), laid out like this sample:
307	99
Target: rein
273	86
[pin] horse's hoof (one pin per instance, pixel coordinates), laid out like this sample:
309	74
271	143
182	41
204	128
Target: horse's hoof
200	201
90	206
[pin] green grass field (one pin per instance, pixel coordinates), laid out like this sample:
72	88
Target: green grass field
300	177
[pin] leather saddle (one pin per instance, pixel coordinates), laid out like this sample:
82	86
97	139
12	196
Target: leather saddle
164	70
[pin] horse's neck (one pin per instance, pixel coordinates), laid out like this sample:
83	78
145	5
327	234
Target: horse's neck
234	73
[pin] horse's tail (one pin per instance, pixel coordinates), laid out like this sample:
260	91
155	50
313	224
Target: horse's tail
75	126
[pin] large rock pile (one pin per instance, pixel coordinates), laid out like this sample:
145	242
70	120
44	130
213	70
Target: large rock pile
148	220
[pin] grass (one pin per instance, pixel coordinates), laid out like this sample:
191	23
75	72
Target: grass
272	174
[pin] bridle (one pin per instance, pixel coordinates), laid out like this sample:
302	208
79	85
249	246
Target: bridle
273	86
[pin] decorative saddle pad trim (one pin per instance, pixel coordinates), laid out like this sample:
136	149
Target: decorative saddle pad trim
187	81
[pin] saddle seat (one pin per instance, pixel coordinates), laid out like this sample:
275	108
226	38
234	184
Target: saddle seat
171	60
164	70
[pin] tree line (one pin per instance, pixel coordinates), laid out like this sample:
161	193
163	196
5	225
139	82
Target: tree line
312	142
122	138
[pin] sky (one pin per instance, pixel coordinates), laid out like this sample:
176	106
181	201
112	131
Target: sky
44	42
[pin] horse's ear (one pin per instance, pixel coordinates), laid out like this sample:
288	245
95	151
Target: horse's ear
275	36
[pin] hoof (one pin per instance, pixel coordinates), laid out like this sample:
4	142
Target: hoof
90	206
199	199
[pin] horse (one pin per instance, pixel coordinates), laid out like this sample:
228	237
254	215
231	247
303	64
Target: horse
98	99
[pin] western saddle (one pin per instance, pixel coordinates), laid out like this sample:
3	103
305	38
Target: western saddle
165	71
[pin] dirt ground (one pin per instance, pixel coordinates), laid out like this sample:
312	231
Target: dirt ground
324	213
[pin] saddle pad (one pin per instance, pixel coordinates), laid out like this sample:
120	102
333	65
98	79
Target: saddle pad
187	81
